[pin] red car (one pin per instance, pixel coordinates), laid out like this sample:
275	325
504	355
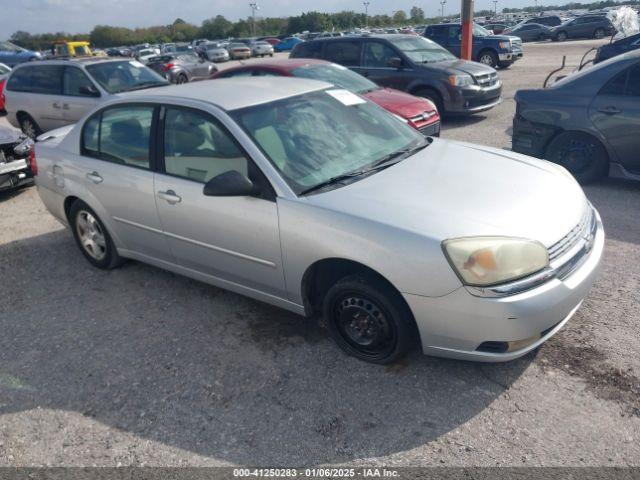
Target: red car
420	113
272	41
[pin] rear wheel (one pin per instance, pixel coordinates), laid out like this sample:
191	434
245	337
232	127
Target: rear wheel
488	57
368	320
561	36
92	237
581	154
29	126
599	33
182	78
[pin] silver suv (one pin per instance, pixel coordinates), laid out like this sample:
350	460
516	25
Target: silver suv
42	96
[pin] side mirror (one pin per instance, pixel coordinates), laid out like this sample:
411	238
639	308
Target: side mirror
89	90
230	184
395	62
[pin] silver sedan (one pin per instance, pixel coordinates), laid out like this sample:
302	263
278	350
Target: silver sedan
309	197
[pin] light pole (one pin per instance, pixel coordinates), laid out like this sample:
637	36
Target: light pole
366	13
495	8
442	3
254	6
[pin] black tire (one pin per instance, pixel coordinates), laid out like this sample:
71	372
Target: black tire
432	95
561	36
110	259
368	320
504	64
29	126
599	33
580	153
488	57
182	78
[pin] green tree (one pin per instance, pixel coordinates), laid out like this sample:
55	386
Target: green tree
399	17
217	27
417	15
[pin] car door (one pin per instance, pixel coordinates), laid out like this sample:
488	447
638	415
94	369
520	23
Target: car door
344	52
232	238
118	170
80	94
376	65
45	99
615	111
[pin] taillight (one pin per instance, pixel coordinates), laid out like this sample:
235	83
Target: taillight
32	161
2	97
168	67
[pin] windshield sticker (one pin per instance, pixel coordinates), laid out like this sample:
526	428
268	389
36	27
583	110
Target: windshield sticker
135	63
346	97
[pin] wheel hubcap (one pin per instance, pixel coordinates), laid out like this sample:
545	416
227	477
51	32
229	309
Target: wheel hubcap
91	236
577	156
364	326
29	129
486	59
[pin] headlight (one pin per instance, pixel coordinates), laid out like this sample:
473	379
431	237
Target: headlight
460	80
483	261
505	45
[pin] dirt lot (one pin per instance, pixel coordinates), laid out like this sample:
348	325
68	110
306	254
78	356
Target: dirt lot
142	367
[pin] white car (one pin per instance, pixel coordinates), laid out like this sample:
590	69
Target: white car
313	199
261	49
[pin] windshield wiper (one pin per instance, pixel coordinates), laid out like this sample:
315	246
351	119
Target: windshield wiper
385	162
142	86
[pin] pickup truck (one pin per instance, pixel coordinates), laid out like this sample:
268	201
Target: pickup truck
493	50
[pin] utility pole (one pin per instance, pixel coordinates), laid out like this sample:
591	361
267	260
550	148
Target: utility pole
442	4
366	13
466	20
254	7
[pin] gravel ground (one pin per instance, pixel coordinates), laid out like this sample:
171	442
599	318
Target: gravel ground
138	366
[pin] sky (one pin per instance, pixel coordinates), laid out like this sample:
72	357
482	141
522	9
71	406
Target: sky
80	16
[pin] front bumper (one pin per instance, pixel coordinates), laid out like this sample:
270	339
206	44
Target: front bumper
457	324
465	101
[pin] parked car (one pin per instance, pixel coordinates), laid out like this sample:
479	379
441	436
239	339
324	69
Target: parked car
493	50
176	48
530	32
16	159
496	28
4	74
215	52
546	20
238	51
182	67
42	96
419	113
287	44
585	26
272	41
588	122
414	65
332	208
12	55
618	47
261	49
146	54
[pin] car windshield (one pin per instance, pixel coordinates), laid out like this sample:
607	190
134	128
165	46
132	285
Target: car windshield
82	50
336	74
116	77
10	47
318	136
421	50
479	31
144	53
238	45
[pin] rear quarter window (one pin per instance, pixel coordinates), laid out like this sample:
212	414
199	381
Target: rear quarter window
46	79
307	50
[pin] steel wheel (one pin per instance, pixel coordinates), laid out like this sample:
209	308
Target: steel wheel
29	127
364	325
581	154
90	235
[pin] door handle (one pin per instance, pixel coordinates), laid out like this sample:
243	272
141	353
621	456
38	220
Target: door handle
56	105
170	197
65	106
610	110
94	177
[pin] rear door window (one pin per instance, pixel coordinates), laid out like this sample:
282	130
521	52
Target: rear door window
345	52
308	50
44	79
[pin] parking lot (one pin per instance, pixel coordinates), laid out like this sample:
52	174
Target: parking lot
137	366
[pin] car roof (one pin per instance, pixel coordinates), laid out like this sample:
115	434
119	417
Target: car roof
234	93
72	60
379	36
286	64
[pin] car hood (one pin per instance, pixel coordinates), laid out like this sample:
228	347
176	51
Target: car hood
398	102
453	67
452	189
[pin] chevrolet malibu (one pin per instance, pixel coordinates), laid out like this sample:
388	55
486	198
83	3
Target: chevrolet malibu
311	198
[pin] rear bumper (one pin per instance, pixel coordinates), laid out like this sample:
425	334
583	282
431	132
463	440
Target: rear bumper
531	138
456	325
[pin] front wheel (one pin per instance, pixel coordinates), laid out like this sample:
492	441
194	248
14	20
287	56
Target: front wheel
599	33
488	57
581	154
92	237
562	36
368	320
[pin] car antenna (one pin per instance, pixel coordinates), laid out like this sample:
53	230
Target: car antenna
564	62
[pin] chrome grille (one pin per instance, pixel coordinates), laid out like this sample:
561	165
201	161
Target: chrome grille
422	117
487	79
577	234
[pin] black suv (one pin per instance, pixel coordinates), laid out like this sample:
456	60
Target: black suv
413	64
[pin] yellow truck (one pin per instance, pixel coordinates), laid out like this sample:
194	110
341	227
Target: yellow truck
72	49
